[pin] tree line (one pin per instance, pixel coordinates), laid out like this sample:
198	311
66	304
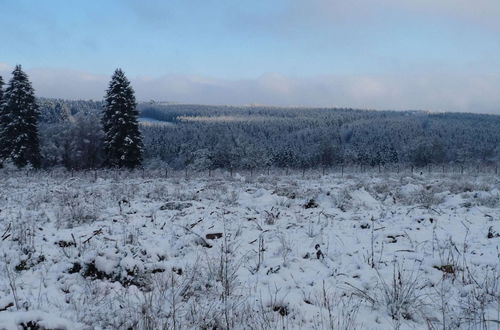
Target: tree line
120	137
205	137
78	134
201	137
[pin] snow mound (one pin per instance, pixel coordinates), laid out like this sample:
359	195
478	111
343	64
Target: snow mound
45	321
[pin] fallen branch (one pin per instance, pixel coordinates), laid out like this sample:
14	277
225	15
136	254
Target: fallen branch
3	309
96	232
6	234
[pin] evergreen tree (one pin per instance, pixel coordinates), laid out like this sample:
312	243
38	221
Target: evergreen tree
393	155
1	93
2	103
2	119
19	119
327	153
122	138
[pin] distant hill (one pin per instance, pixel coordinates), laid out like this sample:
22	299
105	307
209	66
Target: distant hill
208	136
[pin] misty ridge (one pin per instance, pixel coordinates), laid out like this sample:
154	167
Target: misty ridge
205	137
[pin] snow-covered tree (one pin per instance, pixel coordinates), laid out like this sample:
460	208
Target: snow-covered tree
19	118
3	121
122	138
208	137
327	153
2	118
1	93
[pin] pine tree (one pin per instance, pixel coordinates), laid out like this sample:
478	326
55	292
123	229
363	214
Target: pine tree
2	103
19	119
2	120
122	138
1	93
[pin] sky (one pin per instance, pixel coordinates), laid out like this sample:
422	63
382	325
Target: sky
436	55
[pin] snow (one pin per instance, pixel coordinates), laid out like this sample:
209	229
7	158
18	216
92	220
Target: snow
107	251
11	320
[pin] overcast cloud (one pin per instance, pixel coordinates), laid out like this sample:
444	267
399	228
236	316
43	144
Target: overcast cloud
425	91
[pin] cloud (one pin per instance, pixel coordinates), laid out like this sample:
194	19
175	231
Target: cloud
434	91
299	15
157	11
479	11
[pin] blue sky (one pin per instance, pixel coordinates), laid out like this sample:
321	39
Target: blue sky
398	54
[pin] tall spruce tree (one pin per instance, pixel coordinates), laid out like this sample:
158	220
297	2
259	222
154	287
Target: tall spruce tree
122	138
2	119
19	120
1	93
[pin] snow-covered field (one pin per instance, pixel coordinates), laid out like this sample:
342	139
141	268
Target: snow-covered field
320	252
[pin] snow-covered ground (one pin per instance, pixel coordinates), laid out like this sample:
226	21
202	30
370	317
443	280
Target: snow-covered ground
320	252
